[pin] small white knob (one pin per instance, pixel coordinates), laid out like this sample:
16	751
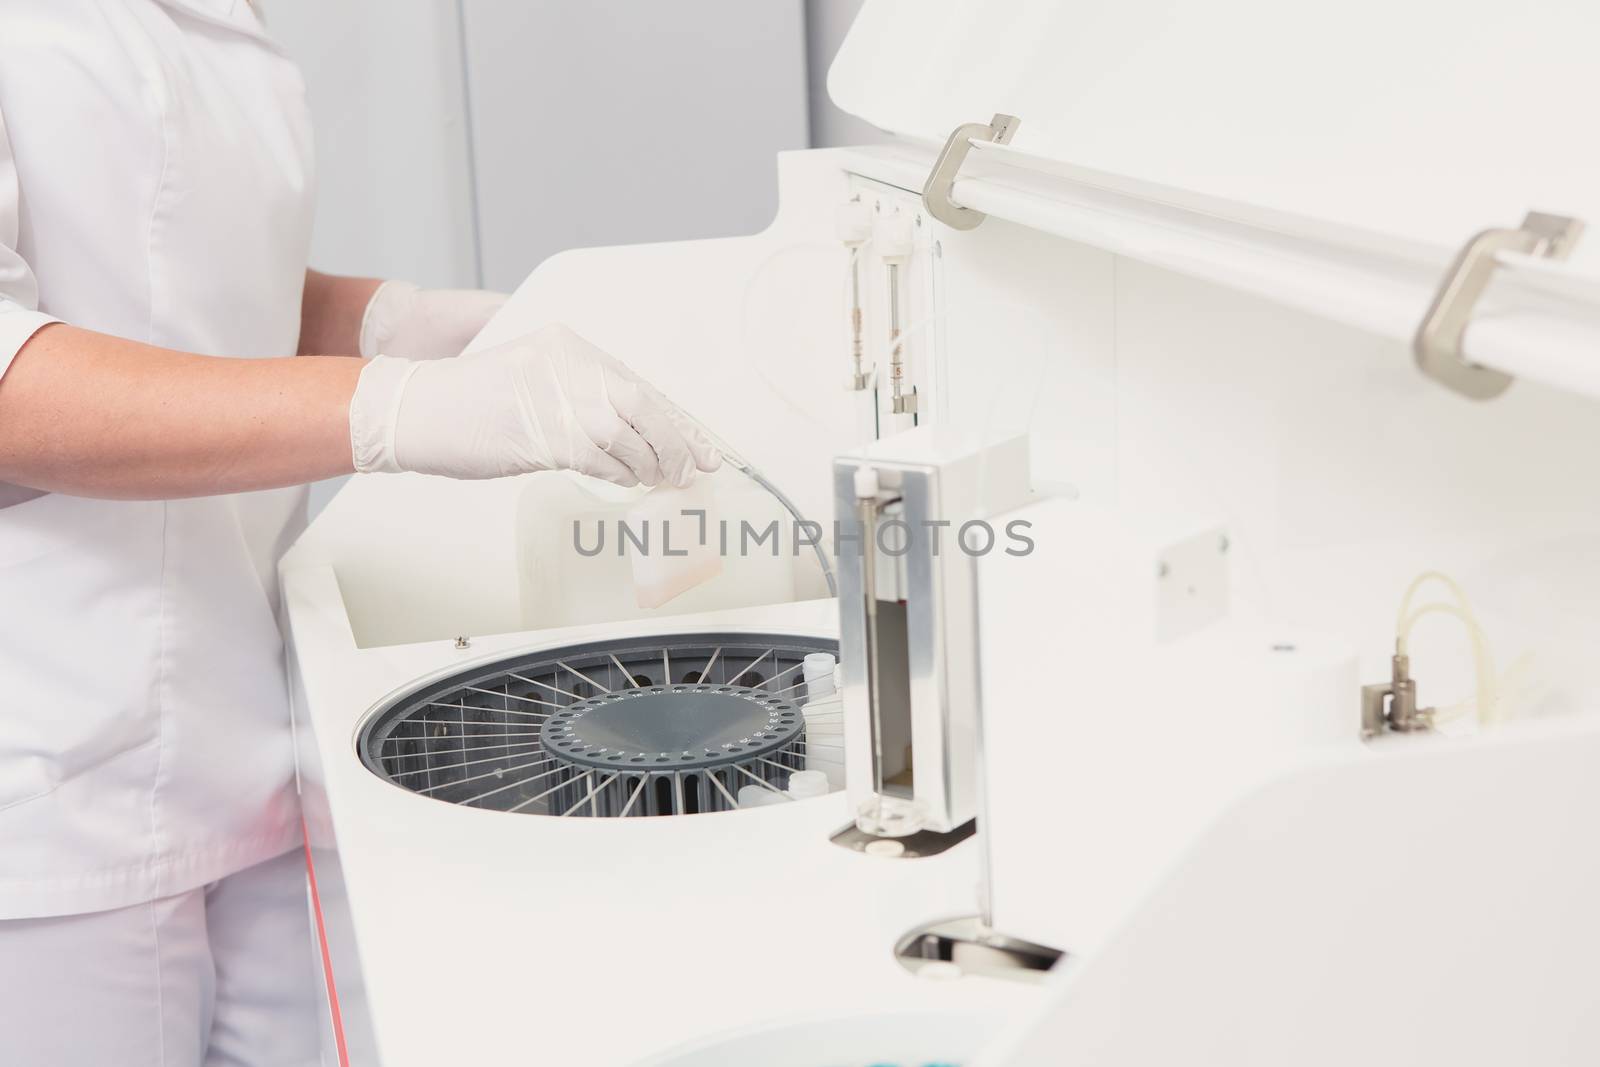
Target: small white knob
866	483
852	222
892	238
803	785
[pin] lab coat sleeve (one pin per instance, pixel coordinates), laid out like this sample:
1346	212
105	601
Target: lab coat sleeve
20	317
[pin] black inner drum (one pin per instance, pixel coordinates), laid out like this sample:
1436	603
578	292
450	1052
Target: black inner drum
636	727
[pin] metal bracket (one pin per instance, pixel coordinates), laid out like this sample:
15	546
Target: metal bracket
968	946
1438	341
936	191
1392	705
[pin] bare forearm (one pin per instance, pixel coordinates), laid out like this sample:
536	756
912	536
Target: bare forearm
331	311
93	415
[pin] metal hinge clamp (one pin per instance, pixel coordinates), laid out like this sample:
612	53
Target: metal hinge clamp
1438	344
1392	705
936	191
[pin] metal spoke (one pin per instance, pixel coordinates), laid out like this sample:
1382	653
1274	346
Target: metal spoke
780	674
552	789
520	727
513	696
585	799
732	802
520	781
786	689
752	664
780	766
633	679
585	677
761	782
545	685
458	750
497	711
467	763
461	737
636	791
500	772
705	672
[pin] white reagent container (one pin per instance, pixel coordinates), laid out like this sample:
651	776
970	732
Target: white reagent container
803	785
818	670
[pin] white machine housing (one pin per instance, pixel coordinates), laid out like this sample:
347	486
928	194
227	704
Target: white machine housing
1194	293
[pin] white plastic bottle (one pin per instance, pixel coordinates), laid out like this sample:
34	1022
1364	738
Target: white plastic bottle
818	669
803	785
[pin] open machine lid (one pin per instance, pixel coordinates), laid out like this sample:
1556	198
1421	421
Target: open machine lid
1425	120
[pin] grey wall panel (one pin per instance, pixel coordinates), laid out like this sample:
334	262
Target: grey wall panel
623	121
827	21
384	81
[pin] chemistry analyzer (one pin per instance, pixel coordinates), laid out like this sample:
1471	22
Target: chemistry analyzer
1211	523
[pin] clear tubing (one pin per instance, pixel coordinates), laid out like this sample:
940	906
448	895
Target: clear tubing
1487	697
1417	583
737	461
1483	665
743	466
746	468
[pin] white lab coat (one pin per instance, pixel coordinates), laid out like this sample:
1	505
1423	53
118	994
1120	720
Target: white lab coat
155	183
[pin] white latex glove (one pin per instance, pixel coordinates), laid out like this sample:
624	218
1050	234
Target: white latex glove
402	320
547	401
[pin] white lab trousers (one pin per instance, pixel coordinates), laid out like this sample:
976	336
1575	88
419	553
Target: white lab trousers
220	976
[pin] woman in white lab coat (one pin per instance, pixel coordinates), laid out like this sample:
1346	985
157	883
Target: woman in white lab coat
155	191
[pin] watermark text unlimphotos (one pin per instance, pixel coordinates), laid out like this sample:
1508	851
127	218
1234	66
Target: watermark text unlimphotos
893	537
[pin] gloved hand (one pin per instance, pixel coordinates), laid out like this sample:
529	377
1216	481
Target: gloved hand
411	323
546	401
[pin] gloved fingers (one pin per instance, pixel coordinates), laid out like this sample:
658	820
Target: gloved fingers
386	310
667	429
588	459
706	456
613	435
419	324
632	396
456	316
673	455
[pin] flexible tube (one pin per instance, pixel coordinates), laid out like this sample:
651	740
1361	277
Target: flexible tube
1400	628
1487	698
732	457
744	467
